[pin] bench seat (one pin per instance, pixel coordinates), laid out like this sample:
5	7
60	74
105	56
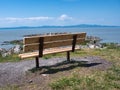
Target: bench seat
47	51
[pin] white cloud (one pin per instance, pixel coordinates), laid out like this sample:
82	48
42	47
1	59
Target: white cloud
39	18
36	21
65	17
14	19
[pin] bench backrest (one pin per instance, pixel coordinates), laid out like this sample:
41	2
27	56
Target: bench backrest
40	43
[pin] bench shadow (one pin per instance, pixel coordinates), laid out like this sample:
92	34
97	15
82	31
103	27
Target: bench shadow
62	66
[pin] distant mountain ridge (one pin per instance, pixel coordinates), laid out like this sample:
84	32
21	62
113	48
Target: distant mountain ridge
69	26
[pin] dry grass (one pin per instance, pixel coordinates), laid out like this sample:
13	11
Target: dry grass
78	78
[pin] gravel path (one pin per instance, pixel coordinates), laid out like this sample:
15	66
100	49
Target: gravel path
14	72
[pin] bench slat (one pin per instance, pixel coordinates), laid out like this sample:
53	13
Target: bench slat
35	39
33	47
45	52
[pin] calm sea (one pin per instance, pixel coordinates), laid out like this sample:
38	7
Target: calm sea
108	34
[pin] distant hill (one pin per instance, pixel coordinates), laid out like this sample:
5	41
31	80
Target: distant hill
69	26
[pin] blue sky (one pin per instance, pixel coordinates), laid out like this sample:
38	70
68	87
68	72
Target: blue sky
59	12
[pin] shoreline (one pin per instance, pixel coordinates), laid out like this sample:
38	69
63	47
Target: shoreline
20	41
17	49
107	34
11	43
15	46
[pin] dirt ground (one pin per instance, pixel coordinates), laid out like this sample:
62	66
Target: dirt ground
25	75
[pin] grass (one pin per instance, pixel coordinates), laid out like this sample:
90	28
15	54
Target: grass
111	47
10	88
98	80
10	58
82	79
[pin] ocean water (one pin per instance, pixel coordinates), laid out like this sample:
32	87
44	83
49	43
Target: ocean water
107	34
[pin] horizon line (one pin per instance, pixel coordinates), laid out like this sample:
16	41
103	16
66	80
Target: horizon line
76	25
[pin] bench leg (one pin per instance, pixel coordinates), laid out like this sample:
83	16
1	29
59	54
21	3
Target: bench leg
37	62
68	56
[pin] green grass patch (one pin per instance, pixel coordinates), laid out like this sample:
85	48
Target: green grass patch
10	88
10	58
63	83
99	80
112	54
53	55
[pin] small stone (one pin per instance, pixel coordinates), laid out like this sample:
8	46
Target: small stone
30	81
44	75
17	49
4	54
91	46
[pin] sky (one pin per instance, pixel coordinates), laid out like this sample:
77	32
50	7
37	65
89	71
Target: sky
14	13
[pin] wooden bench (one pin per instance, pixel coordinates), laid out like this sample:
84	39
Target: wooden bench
37	46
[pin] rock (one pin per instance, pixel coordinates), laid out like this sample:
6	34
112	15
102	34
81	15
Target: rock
30	81
17	49
83	46
14	50
2	50
10	51
93	39
99	45
118	45
91	46
44	75
4	54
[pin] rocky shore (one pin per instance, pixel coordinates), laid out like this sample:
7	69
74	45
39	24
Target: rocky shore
18	49
91	42
14	50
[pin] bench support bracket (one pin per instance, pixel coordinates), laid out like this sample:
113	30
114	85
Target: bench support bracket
37	62
74	43
68	56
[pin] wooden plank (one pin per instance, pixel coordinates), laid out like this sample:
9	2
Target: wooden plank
46	38
33	47
35	39
47	51
81	35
